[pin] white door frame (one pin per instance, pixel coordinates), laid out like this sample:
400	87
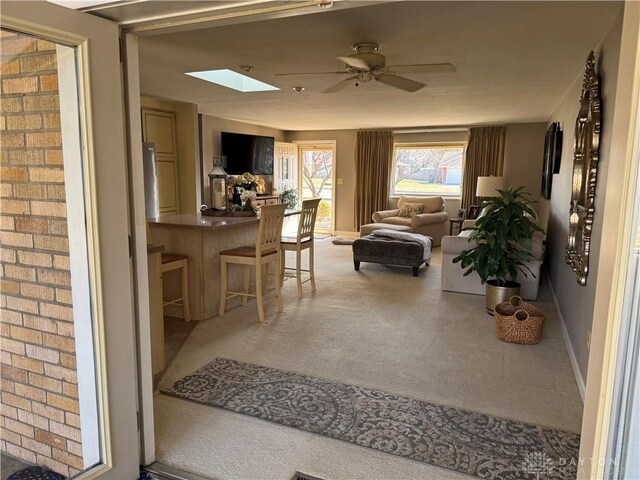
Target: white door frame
107	225
139	246
614	260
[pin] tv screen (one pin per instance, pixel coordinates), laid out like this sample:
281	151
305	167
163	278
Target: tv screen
247	153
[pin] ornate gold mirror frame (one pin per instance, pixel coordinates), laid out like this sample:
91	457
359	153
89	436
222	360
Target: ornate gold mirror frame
585	171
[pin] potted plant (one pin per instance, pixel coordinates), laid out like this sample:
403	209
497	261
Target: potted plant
502	235
290	197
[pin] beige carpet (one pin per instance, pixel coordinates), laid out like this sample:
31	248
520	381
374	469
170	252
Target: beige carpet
380	328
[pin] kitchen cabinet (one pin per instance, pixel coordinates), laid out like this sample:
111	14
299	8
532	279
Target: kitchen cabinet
159	127
266	200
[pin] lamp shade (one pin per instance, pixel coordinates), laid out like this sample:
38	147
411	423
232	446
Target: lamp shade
488	186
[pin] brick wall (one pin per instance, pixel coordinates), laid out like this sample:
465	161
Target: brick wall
40	410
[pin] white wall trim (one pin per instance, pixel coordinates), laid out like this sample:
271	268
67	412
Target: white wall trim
83	310
567	340
140	266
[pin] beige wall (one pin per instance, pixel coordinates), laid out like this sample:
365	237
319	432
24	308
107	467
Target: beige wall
211	130
523	158
576	302
188	151
455	136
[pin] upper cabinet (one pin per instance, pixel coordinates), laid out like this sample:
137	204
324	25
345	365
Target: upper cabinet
159	127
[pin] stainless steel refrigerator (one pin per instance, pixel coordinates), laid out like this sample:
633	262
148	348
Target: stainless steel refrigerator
152	201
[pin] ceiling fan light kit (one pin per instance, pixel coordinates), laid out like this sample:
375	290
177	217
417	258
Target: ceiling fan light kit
366	65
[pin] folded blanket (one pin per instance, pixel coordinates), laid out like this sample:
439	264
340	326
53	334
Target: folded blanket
409	237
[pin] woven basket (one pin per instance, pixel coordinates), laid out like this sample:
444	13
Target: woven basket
519	322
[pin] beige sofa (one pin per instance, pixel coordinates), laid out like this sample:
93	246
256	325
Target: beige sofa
431	222
453	279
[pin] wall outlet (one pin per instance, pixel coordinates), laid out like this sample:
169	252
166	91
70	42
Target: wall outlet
589	338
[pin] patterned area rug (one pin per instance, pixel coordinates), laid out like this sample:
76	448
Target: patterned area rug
468	442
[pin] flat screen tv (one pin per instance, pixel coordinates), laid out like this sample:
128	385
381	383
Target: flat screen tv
247	153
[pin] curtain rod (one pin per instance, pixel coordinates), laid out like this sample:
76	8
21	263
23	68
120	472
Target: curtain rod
432	130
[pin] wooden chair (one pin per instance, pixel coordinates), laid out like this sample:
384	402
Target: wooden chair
174	261
260	256
303	241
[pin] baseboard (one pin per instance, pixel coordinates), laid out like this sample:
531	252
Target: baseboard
567	340
347	234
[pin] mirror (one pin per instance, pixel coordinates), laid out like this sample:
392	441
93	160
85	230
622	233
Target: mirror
585	170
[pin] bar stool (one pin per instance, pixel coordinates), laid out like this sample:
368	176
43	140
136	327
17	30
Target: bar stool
260	256
174	261
303	241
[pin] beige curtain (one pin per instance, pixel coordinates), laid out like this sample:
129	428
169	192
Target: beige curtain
485	156
374	152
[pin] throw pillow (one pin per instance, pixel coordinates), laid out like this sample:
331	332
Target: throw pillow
411	209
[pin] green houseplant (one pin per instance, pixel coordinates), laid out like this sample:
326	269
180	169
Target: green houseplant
503	243
290	197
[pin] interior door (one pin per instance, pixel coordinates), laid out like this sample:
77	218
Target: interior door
285	168
75	113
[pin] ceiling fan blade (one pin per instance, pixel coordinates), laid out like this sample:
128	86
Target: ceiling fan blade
355	62
424	68
399	82
340	85
341	72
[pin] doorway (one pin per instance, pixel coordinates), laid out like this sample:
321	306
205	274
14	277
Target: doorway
317	180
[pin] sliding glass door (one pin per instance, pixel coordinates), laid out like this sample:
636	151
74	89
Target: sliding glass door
625	427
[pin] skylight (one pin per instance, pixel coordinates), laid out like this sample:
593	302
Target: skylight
230	79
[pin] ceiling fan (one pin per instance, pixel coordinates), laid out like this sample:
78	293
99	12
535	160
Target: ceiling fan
366	65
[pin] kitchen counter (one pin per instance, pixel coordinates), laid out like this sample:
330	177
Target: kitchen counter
156	315
201	239
195	220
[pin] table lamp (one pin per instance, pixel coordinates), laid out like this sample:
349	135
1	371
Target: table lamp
489	186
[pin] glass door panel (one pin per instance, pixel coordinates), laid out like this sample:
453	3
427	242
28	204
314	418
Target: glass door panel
68	396
625	461
316	181
50	405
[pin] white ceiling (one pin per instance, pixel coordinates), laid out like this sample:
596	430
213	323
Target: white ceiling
515	60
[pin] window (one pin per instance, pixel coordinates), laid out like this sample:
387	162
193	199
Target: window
427	169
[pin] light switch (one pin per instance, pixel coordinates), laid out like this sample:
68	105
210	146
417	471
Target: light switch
340	181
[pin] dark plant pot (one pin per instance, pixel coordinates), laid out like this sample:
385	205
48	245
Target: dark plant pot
498	294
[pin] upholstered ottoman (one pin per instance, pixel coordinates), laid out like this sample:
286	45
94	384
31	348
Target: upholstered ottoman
388	251
370	227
